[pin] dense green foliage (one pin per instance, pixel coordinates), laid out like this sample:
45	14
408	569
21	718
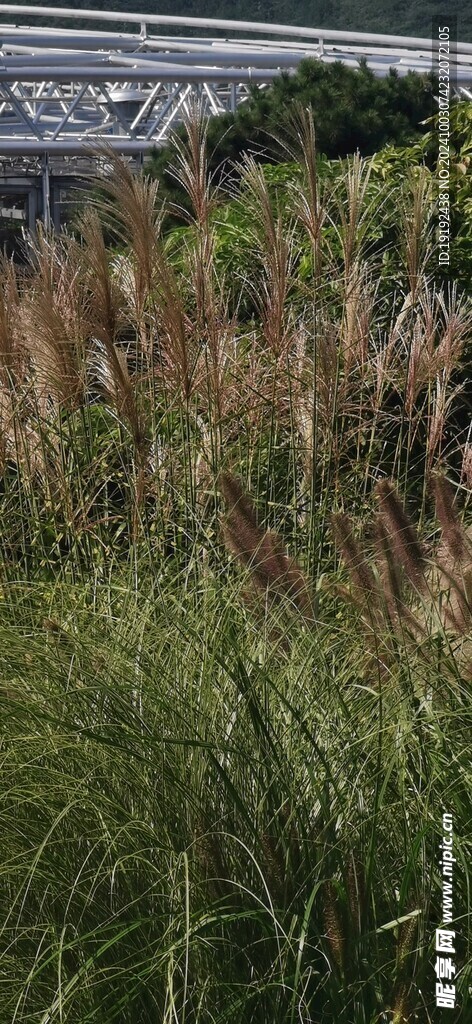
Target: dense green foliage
399	18
352	110
224	777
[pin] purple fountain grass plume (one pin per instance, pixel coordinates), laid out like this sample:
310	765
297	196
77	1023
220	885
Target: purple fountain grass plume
391	579
404	537
456	608
405	944
333	924
365	584
440	589
453	567
261	551
399	1009
390	573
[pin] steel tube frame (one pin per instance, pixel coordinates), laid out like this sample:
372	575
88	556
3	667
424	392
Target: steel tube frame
217	24
63	92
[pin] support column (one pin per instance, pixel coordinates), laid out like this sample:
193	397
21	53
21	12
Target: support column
46	192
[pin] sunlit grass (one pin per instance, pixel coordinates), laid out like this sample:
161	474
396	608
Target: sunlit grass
223	778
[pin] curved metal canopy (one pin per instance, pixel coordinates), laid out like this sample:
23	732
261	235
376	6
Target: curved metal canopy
61	90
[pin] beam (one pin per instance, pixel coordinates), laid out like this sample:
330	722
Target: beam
219	23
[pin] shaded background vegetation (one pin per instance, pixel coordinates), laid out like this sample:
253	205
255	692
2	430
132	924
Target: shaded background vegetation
352	110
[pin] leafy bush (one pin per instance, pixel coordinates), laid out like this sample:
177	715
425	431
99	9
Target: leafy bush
353	110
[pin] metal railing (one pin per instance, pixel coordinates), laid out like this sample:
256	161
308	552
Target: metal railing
61	90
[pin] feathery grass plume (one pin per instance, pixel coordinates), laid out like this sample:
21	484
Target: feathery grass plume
178	357
442	400
58	358
436	343
132	212
450	319
274	245
191	171
416	226
404	537
277	319
191	163
308	203
417	368
357	319
453	532
14	359
25	446
354	210
402	318
320	390
209	328
7	433
261	551
129	206
108	361
54	319
105	297
110	368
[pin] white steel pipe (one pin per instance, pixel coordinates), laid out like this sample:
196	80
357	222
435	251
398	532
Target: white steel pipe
219	23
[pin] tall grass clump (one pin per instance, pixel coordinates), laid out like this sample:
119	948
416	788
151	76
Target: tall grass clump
224	777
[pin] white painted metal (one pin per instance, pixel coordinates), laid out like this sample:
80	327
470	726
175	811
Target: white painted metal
62	90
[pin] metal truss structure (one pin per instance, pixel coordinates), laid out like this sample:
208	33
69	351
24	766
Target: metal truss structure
63	90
